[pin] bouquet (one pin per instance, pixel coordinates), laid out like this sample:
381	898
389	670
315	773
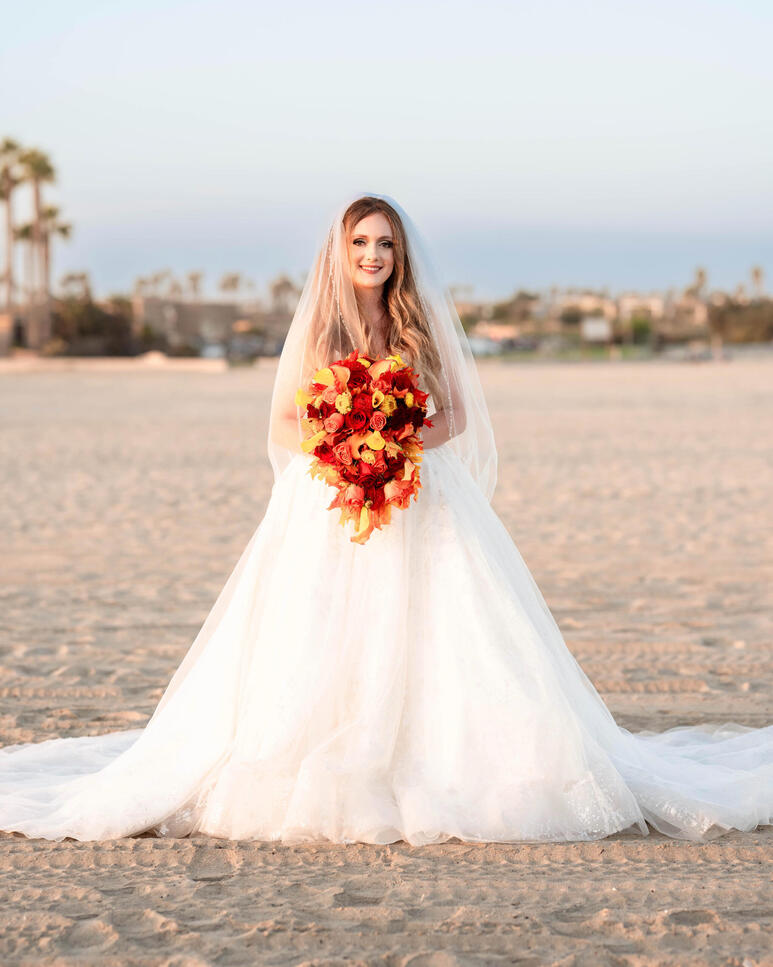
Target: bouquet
361	424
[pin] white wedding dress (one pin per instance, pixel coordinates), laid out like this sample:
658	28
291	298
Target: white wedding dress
415	688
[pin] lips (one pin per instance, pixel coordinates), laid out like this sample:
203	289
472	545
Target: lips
371	269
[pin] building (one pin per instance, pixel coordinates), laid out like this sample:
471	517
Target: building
192	324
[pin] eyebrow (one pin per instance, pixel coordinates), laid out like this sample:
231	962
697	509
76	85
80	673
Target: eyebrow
380	238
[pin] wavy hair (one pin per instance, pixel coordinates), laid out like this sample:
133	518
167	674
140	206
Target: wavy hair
409	331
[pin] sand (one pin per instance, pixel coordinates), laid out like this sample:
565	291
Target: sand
639	496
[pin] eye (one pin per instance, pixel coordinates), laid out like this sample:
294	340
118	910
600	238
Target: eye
388	244
358	241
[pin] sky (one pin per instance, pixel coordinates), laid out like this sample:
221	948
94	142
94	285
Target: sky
609	144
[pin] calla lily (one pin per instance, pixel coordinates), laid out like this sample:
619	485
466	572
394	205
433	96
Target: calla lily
364	527
379	368
313	442
325	377
356	441
341	374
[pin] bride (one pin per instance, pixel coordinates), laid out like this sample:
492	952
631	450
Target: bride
415	687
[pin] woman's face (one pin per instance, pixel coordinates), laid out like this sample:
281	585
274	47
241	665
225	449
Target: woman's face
371	251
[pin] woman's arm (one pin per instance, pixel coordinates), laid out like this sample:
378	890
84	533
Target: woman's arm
441	430
285	425
284	433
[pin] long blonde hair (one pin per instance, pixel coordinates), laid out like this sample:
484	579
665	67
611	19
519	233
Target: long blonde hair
409	331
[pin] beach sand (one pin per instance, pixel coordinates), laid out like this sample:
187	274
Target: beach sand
639	496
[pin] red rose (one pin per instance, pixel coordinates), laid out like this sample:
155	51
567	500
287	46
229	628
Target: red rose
402	380
334	422
357	420
324	453
378	421
358	379
343	453
363	401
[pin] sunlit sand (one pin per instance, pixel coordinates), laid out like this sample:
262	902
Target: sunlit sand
639	496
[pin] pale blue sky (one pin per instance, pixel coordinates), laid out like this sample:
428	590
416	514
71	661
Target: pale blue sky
560	142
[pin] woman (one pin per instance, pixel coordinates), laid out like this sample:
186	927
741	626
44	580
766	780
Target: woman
415	687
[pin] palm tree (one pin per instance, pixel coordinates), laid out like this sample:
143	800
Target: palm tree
230	282
699	282
37	170
49	226
284	293
25	235
76	285
157	280
9	179
758	280
194	283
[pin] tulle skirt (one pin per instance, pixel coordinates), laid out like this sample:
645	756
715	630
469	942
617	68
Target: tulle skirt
416	687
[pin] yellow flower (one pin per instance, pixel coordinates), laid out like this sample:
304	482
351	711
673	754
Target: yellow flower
302	398
409	399
375	441
398	361
378	398
325	376
389	405
344	402
368	456
314	441
365	362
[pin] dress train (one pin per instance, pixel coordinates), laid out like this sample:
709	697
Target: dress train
416	687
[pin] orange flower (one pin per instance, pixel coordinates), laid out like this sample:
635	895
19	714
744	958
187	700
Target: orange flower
334	422
344	454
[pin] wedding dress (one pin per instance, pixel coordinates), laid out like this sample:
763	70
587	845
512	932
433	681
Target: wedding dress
415	687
